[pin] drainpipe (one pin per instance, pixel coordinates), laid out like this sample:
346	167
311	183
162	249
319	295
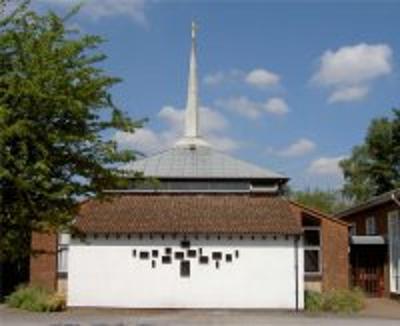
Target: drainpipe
296	269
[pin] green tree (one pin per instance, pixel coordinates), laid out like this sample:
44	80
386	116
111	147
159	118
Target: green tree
374	166
326	201
55	114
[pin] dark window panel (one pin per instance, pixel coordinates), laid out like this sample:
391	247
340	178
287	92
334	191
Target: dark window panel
191	253
153	264
144	255
185	268
134	253
311	261
154	253
236	253
310	221
166	259
311	238
185	244
168	251
228	258
216	255
179	255
203	260
217	264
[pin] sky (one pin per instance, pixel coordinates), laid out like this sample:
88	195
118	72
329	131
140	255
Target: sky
287	85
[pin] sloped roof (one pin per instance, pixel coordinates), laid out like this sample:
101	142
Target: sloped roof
198	162
160	213
372	202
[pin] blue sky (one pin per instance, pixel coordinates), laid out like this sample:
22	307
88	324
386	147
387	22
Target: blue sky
291	86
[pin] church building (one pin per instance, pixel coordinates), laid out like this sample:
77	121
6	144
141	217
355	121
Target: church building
211	231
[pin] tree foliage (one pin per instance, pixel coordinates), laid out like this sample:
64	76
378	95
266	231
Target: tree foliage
326	201
374	166
55	112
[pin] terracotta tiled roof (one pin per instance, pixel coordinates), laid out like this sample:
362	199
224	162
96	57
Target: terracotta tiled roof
161	213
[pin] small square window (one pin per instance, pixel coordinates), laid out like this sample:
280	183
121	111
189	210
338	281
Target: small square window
168	251
216	255
228	258
370	225
185	268
166	259
154	253
144	255
203	260
179	255
185	244
191	253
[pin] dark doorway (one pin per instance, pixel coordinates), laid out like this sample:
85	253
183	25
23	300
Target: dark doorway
368	266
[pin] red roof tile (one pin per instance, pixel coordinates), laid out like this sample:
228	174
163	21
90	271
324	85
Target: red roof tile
188	213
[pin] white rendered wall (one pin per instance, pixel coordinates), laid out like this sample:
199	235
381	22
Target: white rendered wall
103	273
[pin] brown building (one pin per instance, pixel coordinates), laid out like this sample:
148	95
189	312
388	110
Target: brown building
325	238
326	243
375	244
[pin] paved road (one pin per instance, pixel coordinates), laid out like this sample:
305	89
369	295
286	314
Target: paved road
182	317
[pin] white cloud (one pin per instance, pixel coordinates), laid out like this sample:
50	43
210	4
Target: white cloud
350	70
143	140
277	106
212	126
354	64
252	109
301	147
348	94
220	77
326	166
262	78
97	9
241	105
259	77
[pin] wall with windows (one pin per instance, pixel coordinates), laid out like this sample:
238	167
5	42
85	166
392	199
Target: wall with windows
380	215
326	248
196	272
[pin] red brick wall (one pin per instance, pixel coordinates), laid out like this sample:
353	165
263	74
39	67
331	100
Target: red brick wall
380	212
335	256
334	248
43	264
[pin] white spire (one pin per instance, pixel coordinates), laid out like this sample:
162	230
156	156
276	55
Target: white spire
191	134
192	114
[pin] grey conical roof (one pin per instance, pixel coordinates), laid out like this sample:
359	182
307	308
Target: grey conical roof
201	162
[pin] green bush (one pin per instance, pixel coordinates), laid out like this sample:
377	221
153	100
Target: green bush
313	301
337	301
36	299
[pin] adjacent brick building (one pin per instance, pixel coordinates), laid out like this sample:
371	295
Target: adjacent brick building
375	244
333	263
